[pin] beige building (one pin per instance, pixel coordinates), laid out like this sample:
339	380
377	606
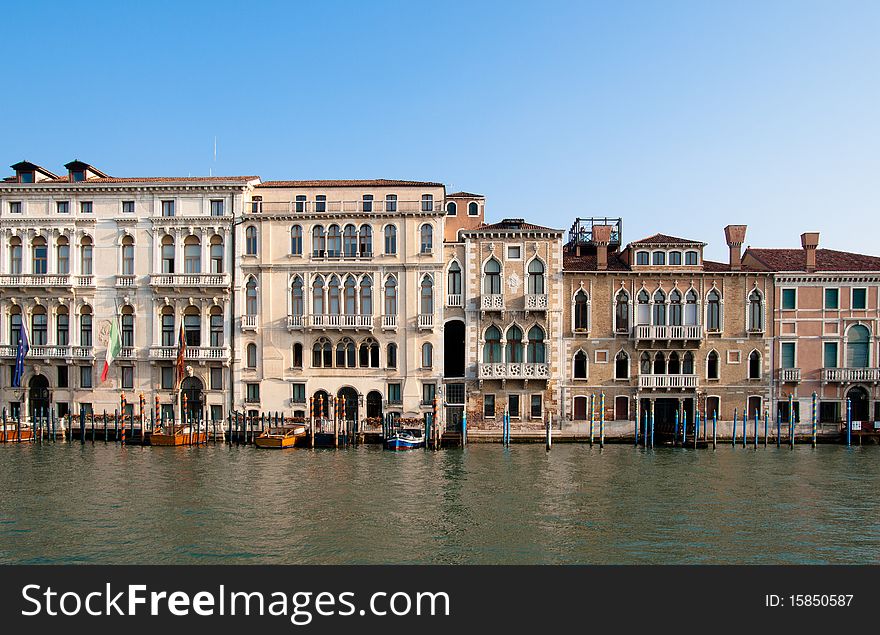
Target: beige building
654	324
78	249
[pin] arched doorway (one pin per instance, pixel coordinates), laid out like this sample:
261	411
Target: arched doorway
191	395
320	404
38	396
858	399
351	403
453	349
374	404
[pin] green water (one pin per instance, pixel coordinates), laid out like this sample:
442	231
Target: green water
216	504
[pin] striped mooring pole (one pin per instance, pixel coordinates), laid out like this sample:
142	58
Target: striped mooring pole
848	422
602	420
813	418
592	414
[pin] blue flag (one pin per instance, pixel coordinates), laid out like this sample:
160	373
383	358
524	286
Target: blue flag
23	347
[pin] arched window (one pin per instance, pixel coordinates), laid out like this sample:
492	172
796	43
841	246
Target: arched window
674	257
297	360
621	312
40	258
62	327
319	244
645	364
621	366
581	311
536	277
334	241
643	308
451	208
127	327
333	299
713	311
492	277
659	363
473	209
687	364
454	278
318	296
580	365
350	241
365	241
296	240
250	241
85	325
391	355
690	308
192	326
192	255
366	296
345	353
858	340
63	252
536	353
674	365
350	294
492	346
167	255
297	303
391	296
216	325
369	353
251	296
756	311
426	301
712	369
659	308
676	315
659	258
15	255
216	254
514	347
643	258
426	239
427	355
252	355
754	365
390	240
39	327
322	353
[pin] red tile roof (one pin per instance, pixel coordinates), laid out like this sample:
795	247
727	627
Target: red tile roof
572	262
350	183
464	195
826	260
663	239
156	179
513	224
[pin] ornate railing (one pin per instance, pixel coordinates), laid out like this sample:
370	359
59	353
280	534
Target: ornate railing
514	370
667	332
189	280
341	321
191	352
536	302
426	320
492	302
850	375
790	375
668	381
453	299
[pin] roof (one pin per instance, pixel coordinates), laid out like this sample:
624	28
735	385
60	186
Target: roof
153	179
464	195
663	239
350	183
826	260
512	224
573	262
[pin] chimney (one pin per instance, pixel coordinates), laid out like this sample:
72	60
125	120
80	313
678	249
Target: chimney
736	236
601	237
810	241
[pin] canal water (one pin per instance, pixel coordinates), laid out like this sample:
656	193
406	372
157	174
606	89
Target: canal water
236	505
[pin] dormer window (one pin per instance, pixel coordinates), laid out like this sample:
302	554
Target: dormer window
642	258
78	175
25	177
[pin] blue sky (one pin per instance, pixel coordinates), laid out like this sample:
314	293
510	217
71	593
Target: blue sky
681	117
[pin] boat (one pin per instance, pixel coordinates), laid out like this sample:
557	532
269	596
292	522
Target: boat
13	434
177	435
282	437
405	439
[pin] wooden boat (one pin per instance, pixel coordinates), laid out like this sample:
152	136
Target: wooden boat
282	437
11	434
177	435
405	439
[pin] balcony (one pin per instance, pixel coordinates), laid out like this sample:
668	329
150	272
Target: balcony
790	375
322	321
191	352
296	322
389	322
426	320
668	381
30	280
248	322
377	206
189	280
327	254
850	375
651	333
125	280
51	351
492	302
453	300
127	352
536	302
513	370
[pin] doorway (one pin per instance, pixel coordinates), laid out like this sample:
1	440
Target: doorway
453	349
348	411
374	404
191	395
38	396
858	400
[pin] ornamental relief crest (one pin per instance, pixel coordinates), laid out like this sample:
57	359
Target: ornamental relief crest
104	332
513	282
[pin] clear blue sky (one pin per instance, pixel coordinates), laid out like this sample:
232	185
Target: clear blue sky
679	116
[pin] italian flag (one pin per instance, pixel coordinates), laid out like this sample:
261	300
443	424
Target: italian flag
114	345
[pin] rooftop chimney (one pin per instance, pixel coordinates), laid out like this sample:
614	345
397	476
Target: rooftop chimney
601	237
810	241
736	236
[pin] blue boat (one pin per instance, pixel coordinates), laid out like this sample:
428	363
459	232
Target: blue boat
405	440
